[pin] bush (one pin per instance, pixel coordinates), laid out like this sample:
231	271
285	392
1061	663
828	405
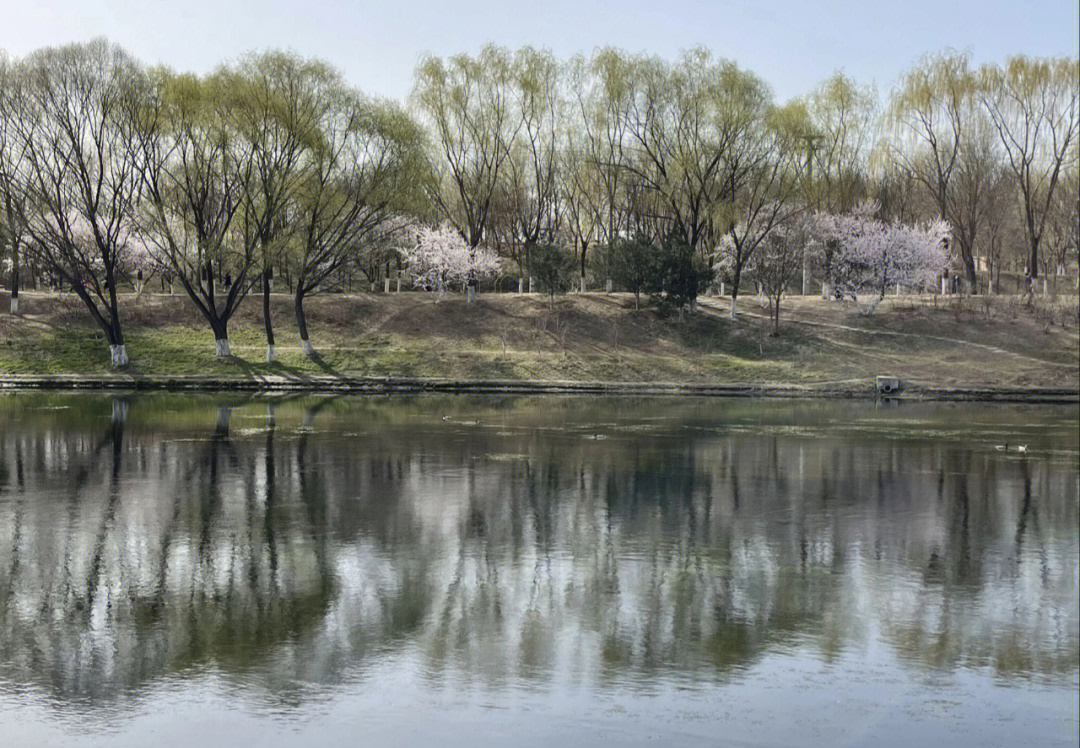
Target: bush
551	267
634	265
680	275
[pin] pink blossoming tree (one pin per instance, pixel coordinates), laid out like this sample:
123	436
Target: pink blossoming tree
870	255
440	259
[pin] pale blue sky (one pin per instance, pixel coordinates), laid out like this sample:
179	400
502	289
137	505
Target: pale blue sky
792	45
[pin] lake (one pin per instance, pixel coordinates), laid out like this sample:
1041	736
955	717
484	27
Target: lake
231	570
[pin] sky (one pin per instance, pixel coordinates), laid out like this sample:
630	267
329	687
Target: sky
792	45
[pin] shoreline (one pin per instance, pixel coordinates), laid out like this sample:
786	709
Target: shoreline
388	385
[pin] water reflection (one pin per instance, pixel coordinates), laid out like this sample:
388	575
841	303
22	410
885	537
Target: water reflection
292	542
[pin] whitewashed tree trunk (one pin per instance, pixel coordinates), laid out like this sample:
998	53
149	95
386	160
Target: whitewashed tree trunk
521	286
269	354
14	304
308	348
118	355
222	347
721	288
386	285
583	284
530	284
470	294
607	286
732	307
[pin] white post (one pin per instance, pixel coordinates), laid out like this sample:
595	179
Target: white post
1045	286
398	290
826	290
386	285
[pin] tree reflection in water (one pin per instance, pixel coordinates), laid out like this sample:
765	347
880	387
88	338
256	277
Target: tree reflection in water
289	541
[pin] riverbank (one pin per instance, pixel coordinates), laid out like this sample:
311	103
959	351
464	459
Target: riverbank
388	385
588	343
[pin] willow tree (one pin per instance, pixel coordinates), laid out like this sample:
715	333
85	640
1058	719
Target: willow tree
530	182
72	113
690	125
843	118
196	176
469	104
1034	109
12	200
364	168
278	109
766	174
597	143
937	115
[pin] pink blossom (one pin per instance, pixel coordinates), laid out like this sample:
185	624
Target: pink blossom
439	258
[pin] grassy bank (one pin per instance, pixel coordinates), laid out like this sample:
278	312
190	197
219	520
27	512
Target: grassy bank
585	338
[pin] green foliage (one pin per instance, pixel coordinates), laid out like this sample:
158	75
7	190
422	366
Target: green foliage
634	265
551	267
680	275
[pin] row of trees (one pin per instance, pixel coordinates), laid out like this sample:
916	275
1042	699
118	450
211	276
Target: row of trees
111	171
274	168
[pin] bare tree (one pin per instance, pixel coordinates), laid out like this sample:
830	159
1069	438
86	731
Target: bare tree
364	168
195	179
1033	106
12	199
74	112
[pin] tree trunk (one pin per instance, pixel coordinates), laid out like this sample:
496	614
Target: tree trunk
736	276
267	322
969	270
301	322
15	277
117	350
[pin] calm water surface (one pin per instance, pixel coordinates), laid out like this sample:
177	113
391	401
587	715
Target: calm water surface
188	570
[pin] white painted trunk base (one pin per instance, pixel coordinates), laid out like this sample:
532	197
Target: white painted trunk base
269	354
308	348
14	304
118	355
222	347
733	307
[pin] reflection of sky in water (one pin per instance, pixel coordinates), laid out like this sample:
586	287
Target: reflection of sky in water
428	569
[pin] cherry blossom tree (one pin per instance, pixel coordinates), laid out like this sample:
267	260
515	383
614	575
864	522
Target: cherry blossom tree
440	258
871	255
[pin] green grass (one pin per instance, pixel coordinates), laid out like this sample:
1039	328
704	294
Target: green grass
590	338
